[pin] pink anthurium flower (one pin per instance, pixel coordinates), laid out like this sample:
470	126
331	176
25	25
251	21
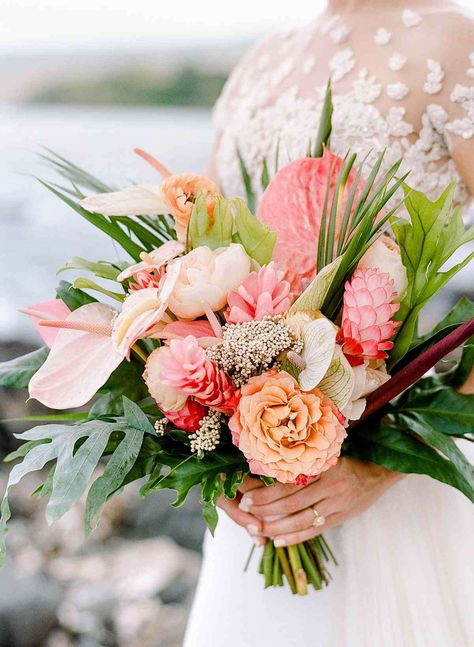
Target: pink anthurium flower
292	205
81	359
143	312
55	310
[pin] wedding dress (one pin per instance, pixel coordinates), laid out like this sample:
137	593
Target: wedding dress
406	575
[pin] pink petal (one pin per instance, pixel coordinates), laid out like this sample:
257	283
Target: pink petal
55	310
79	362
158	258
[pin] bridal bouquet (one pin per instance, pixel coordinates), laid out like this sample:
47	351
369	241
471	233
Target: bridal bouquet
232	344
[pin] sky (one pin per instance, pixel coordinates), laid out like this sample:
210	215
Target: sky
51	24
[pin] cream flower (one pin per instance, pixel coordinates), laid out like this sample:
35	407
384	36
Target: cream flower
205	279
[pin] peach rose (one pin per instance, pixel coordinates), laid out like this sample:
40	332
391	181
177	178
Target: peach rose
284	432
180	193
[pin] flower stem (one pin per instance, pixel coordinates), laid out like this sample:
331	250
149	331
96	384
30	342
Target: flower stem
310	569
285	565
267	562
298	571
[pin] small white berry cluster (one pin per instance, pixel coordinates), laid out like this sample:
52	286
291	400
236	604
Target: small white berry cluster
207	437
251	347
160	426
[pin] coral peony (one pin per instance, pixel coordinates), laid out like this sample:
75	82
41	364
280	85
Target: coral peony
384	255
367	322
206	277
183	366
292	205
180	192
260	294
188	417
284	432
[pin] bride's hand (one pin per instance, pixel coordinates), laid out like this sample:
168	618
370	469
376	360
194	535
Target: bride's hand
251	523
342	492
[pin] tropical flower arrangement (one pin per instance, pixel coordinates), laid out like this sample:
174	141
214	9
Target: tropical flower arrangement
232	344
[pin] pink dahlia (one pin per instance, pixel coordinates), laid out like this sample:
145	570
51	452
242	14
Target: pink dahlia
292	205
262	293
367	323
185	367
188	417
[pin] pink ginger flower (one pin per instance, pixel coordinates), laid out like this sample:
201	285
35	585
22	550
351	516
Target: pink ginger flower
262	293
367	323
189	417
185	367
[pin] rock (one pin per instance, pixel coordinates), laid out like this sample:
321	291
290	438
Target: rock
27	609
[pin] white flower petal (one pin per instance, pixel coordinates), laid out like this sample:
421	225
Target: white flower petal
319	341
138	200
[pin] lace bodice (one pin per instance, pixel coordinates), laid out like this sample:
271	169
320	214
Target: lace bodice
273	100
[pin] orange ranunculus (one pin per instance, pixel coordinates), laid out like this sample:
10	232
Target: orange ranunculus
180	192
284	432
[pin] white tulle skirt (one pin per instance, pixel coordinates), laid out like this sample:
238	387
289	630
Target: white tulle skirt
405	579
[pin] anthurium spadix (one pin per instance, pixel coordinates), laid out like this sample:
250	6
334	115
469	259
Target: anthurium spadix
82	358
319	338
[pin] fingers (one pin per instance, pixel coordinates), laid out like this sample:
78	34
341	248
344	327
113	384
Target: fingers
244	519
251	483
300	521
303	535
267	494
298	499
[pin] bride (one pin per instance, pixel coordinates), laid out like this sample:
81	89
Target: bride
403	79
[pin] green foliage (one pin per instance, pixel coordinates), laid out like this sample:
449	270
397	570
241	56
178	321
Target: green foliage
325	124
316	293
417	434
247	180
427	241
16	373
459	314
73	297
126	381
101	269
120	462
257	239
213	231
82	283
75	464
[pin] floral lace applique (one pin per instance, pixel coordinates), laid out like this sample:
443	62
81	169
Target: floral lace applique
397	91
339	34
266	107
341	64
411	18
382	36
397	62
434	78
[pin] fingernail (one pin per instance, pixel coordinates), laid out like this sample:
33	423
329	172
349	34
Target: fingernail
279	543
245	503
253	530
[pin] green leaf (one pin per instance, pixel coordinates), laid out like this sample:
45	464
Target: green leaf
247	180
462	312
312	299
73	297
84	283
257	239
399	451
265	177
427	241
441	407
101	269
120	463
73	468
23	450
213	230
325	124
112	229
16	373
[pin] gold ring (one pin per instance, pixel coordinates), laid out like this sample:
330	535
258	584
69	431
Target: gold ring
319	520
